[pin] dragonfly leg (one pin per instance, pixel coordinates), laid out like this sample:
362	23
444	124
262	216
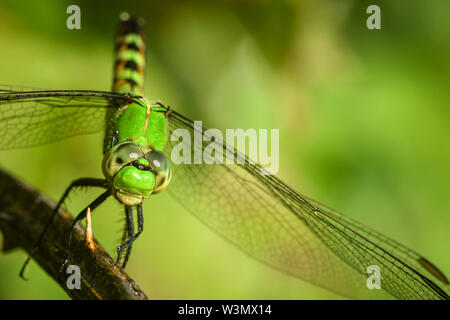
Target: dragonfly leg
134	237
129	232
94	204
82	182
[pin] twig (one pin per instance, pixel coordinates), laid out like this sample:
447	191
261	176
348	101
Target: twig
23	214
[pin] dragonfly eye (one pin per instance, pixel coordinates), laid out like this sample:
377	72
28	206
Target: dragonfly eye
161	167
119	156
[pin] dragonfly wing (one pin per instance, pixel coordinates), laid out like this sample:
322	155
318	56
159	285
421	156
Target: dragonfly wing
278	226
411	258
36	117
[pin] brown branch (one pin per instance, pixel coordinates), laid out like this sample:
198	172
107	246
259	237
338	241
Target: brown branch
24	211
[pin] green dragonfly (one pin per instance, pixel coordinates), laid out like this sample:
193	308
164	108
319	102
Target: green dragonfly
257	212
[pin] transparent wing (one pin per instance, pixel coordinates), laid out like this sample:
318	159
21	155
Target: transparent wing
278	226
31	117
425	269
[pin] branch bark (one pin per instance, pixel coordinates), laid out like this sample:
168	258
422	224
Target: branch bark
24	211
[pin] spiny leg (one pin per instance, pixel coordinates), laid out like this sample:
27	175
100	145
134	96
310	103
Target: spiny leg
131	240
82	182
129	231
94	204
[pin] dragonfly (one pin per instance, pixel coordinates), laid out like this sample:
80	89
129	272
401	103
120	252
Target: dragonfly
257	212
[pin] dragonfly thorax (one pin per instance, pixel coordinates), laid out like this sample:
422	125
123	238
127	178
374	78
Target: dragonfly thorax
135	174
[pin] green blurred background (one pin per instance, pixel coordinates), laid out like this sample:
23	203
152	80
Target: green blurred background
364	123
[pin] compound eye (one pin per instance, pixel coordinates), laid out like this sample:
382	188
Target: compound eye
119	156
161	167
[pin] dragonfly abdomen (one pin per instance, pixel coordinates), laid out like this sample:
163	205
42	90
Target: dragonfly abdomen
129	58
129	69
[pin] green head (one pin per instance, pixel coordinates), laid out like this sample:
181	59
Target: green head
135	174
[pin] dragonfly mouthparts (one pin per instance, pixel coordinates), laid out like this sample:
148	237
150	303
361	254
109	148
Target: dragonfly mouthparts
129	199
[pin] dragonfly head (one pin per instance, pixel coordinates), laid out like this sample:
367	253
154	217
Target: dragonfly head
135	175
